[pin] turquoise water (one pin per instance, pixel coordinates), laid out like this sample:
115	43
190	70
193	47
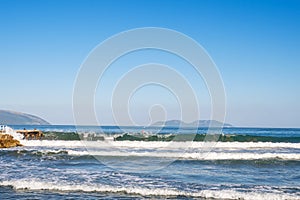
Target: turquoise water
104	168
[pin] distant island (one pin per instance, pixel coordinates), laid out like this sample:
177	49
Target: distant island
197	123
17	118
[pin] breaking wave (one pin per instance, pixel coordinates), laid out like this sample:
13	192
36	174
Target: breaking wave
191	154
229	194
50	135
159	144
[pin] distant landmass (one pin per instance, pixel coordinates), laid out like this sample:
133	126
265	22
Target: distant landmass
197	123
18	118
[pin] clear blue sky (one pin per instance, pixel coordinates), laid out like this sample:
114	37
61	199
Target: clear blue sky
255	44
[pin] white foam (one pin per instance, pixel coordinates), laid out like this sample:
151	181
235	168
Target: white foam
156	145
177	150
192	156
8	130
215	194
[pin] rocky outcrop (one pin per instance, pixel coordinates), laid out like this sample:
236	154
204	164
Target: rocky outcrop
7	141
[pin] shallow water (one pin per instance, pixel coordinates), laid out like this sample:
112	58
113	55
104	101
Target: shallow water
71	169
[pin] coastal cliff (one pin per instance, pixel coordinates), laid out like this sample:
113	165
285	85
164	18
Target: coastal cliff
7	141
17	118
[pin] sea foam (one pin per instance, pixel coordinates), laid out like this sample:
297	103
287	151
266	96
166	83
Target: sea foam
159	144
144	191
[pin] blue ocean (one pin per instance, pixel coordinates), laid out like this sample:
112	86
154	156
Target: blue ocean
152	163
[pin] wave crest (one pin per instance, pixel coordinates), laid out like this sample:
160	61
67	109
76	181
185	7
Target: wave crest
143	191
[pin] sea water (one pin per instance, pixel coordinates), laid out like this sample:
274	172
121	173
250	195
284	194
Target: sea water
246	163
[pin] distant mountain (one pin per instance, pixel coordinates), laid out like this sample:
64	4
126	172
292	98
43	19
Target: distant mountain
17	118
197	123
